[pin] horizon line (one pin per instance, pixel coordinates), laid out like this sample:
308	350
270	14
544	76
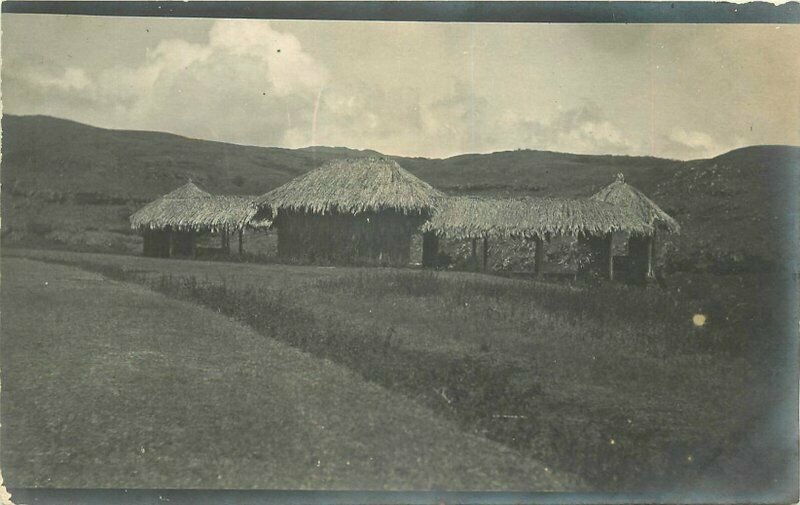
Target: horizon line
322	146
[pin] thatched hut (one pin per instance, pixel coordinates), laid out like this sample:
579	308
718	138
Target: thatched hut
361	210
170	225
641	246
536	219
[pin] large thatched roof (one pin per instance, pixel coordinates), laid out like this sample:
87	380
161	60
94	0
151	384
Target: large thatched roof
624	195
191	208
464	217
353	186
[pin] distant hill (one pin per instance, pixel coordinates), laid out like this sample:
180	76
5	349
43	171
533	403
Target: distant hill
43	154
528	171
60	175
741	205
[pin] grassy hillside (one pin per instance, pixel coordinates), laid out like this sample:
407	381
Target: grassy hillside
51	157
67	182
166	394
738	210
615	384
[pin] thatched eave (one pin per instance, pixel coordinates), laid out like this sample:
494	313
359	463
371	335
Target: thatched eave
623	195
468	217
191	209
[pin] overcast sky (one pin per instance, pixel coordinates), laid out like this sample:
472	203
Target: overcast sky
419	89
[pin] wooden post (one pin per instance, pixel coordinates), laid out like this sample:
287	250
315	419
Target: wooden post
225	242
474	250
651	257
610	252
170	246
538	256
485	253
241	242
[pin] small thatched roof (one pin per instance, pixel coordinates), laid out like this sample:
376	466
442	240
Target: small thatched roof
624	195
191	208
353	186
188	190
466	217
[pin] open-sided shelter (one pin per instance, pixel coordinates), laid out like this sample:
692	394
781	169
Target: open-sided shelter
362	210
641	246
170	225
537	219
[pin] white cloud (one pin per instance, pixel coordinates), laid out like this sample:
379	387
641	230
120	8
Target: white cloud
274	59
398	120
288	66
411	91
247	83
584	129
695	143
354	114
594	136
169	61
71	79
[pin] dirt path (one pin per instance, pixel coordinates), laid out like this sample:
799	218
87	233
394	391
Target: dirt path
107	384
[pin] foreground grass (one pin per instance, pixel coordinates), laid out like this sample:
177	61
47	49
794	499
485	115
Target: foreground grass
615	384
107	384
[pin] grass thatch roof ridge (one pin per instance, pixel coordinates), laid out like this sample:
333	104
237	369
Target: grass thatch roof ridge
354	185
191	208
624	195
466	217
188	190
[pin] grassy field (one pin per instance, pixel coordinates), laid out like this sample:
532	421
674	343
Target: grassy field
615	384
107	384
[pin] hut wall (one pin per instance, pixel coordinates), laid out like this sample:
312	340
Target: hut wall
373	238
156	243
430	250
166	243
183	243
599	247
639	257
147	243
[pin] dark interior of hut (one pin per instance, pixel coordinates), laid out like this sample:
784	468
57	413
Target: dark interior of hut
382	238
549	257
189	243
